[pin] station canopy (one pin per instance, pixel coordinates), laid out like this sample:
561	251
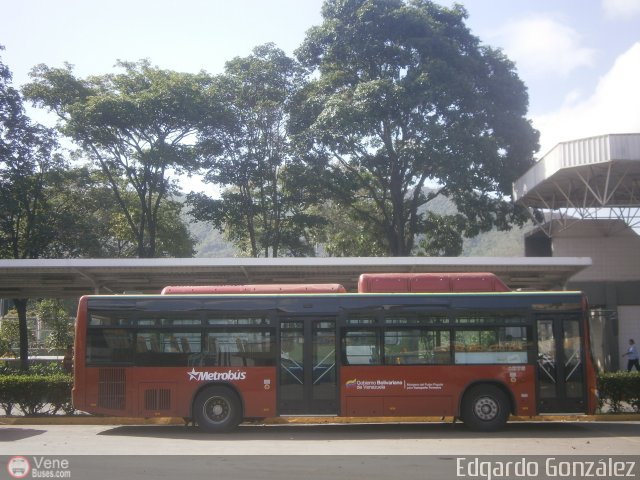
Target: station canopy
584	179
72	278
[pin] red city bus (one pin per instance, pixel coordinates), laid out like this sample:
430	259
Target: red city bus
219	358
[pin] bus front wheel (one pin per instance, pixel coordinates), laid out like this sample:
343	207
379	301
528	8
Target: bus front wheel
485	408
217	409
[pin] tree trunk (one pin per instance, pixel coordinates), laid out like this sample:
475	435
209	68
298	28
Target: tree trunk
151	250
21	308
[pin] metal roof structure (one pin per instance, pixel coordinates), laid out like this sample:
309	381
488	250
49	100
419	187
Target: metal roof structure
72	278
589	178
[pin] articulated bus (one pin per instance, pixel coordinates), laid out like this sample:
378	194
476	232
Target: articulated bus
220	355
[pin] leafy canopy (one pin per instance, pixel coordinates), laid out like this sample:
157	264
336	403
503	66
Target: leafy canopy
139	127
404	97
264	206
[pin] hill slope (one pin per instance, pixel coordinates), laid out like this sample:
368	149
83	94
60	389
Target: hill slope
210	242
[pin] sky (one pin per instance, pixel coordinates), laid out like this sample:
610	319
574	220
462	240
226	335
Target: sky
580	59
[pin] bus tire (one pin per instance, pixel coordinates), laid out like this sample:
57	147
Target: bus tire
485	408
217	409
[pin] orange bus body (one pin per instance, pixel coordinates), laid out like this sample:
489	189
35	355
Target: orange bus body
367	381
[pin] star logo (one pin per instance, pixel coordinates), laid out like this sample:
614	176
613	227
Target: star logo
193	375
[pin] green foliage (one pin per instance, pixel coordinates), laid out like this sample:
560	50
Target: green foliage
137	127
405	97
174	238
385	98
52	314
36	394
29	176
32	224
441	236
44	368
348	233
264	209
101	229
497	243
9	337
618	387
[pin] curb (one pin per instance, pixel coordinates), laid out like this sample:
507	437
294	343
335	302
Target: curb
91	420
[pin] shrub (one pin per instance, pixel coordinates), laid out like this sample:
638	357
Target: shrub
36	394
619	387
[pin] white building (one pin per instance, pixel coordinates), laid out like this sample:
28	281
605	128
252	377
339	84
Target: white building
589	193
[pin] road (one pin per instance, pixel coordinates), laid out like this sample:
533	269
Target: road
255	451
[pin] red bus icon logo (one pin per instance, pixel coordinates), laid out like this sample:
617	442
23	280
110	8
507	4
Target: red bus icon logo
18	467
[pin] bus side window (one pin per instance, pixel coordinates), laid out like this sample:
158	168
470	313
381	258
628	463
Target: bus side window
361	347
239	348
167	348
109	319
492	345
437	346
109	346
413	346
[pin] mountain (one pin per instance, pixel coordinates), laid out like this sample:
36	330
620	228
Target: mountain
490	244
497	244
211	244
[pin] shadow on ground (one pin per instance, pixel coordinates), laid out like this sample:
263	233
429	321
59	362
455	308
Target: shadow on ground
13	434
513	431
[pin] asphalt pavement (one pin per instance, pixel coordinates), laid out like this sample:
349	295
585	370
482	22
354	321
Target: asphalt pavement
431	450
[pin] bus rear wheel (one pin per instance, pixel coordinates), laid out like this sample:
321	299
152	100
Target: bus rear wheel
217	409
485	408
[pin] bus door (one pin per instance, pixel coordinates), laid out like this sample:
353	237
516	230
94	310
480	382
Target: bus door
307	376
560	368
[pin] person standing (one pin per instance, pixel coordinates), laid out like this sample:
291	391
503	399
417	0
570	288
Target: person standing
632	354
67	360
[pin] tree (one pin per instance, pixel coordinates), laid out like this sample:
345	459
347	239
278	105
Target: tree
51	312
138	127
9	337
264	209
29	173
97	228
404	97
347	232
174	236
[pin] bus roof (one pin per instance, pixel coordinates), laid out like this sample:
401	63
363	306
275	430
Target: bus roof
466	282
254	289
367	283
